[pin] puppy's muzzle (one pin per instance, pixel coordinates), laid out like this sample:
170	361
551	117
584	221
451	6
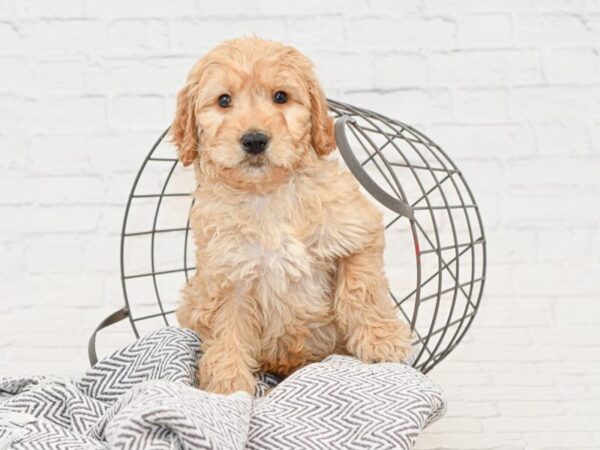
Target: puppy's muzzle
254	143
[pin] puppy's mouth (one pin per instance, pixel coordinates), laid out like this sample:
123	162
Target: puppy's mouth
255	161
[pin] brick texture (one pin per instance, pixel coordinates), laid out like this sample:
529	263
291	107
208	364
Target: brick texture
509	88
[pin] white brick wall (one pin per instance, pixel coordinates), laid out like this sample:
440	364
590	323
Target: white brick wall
510	88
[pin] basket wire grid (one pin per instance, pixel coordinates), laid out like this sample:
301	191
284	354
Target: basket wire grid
436	276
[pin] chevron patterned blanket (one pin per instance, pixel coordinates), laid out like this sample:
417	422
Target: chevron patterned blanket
143	396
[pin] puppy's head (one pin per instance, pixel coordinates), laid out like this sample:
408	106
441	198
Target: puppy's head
251	109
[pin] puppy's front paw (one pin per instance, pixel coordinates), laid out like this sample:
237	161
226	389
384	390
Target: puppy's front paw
390	342
224	378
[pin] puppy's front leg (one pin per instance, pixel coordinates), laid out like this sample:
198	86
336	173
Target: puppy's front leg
364	310
229	358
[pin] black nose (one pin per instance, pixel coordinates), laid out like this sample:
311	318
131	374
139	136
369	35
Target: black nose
255	143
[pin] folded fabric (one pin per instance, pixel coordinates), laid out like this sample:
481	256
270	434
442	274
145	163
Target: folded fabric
143	396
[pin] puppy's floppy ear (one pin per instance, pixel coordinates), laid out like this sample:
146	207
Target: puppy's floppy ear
323	138
184	131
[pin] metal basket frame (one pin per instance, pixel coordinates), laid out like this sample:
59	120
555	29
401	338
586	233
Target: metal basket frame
394	199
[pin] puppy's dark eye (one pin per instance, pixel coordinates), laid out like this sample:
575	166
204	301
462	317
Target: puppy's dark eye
225	101
280	97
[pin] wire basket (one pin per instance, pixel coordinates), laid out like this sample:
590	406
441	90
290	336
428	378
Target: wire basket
435	255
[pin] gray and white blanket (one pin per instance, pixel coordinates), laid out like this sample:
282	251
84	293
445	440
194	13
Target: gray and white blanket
143	397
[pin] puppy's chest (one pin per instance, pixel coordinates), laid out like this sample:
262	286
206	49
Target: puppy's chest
275	249
262	237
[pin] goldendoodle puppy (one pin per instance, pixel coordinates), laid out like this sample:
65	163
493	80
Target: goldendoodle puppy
289	251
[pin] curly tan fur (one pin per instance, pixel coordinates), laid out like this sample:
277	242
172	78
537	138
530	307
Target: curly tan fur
289	251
